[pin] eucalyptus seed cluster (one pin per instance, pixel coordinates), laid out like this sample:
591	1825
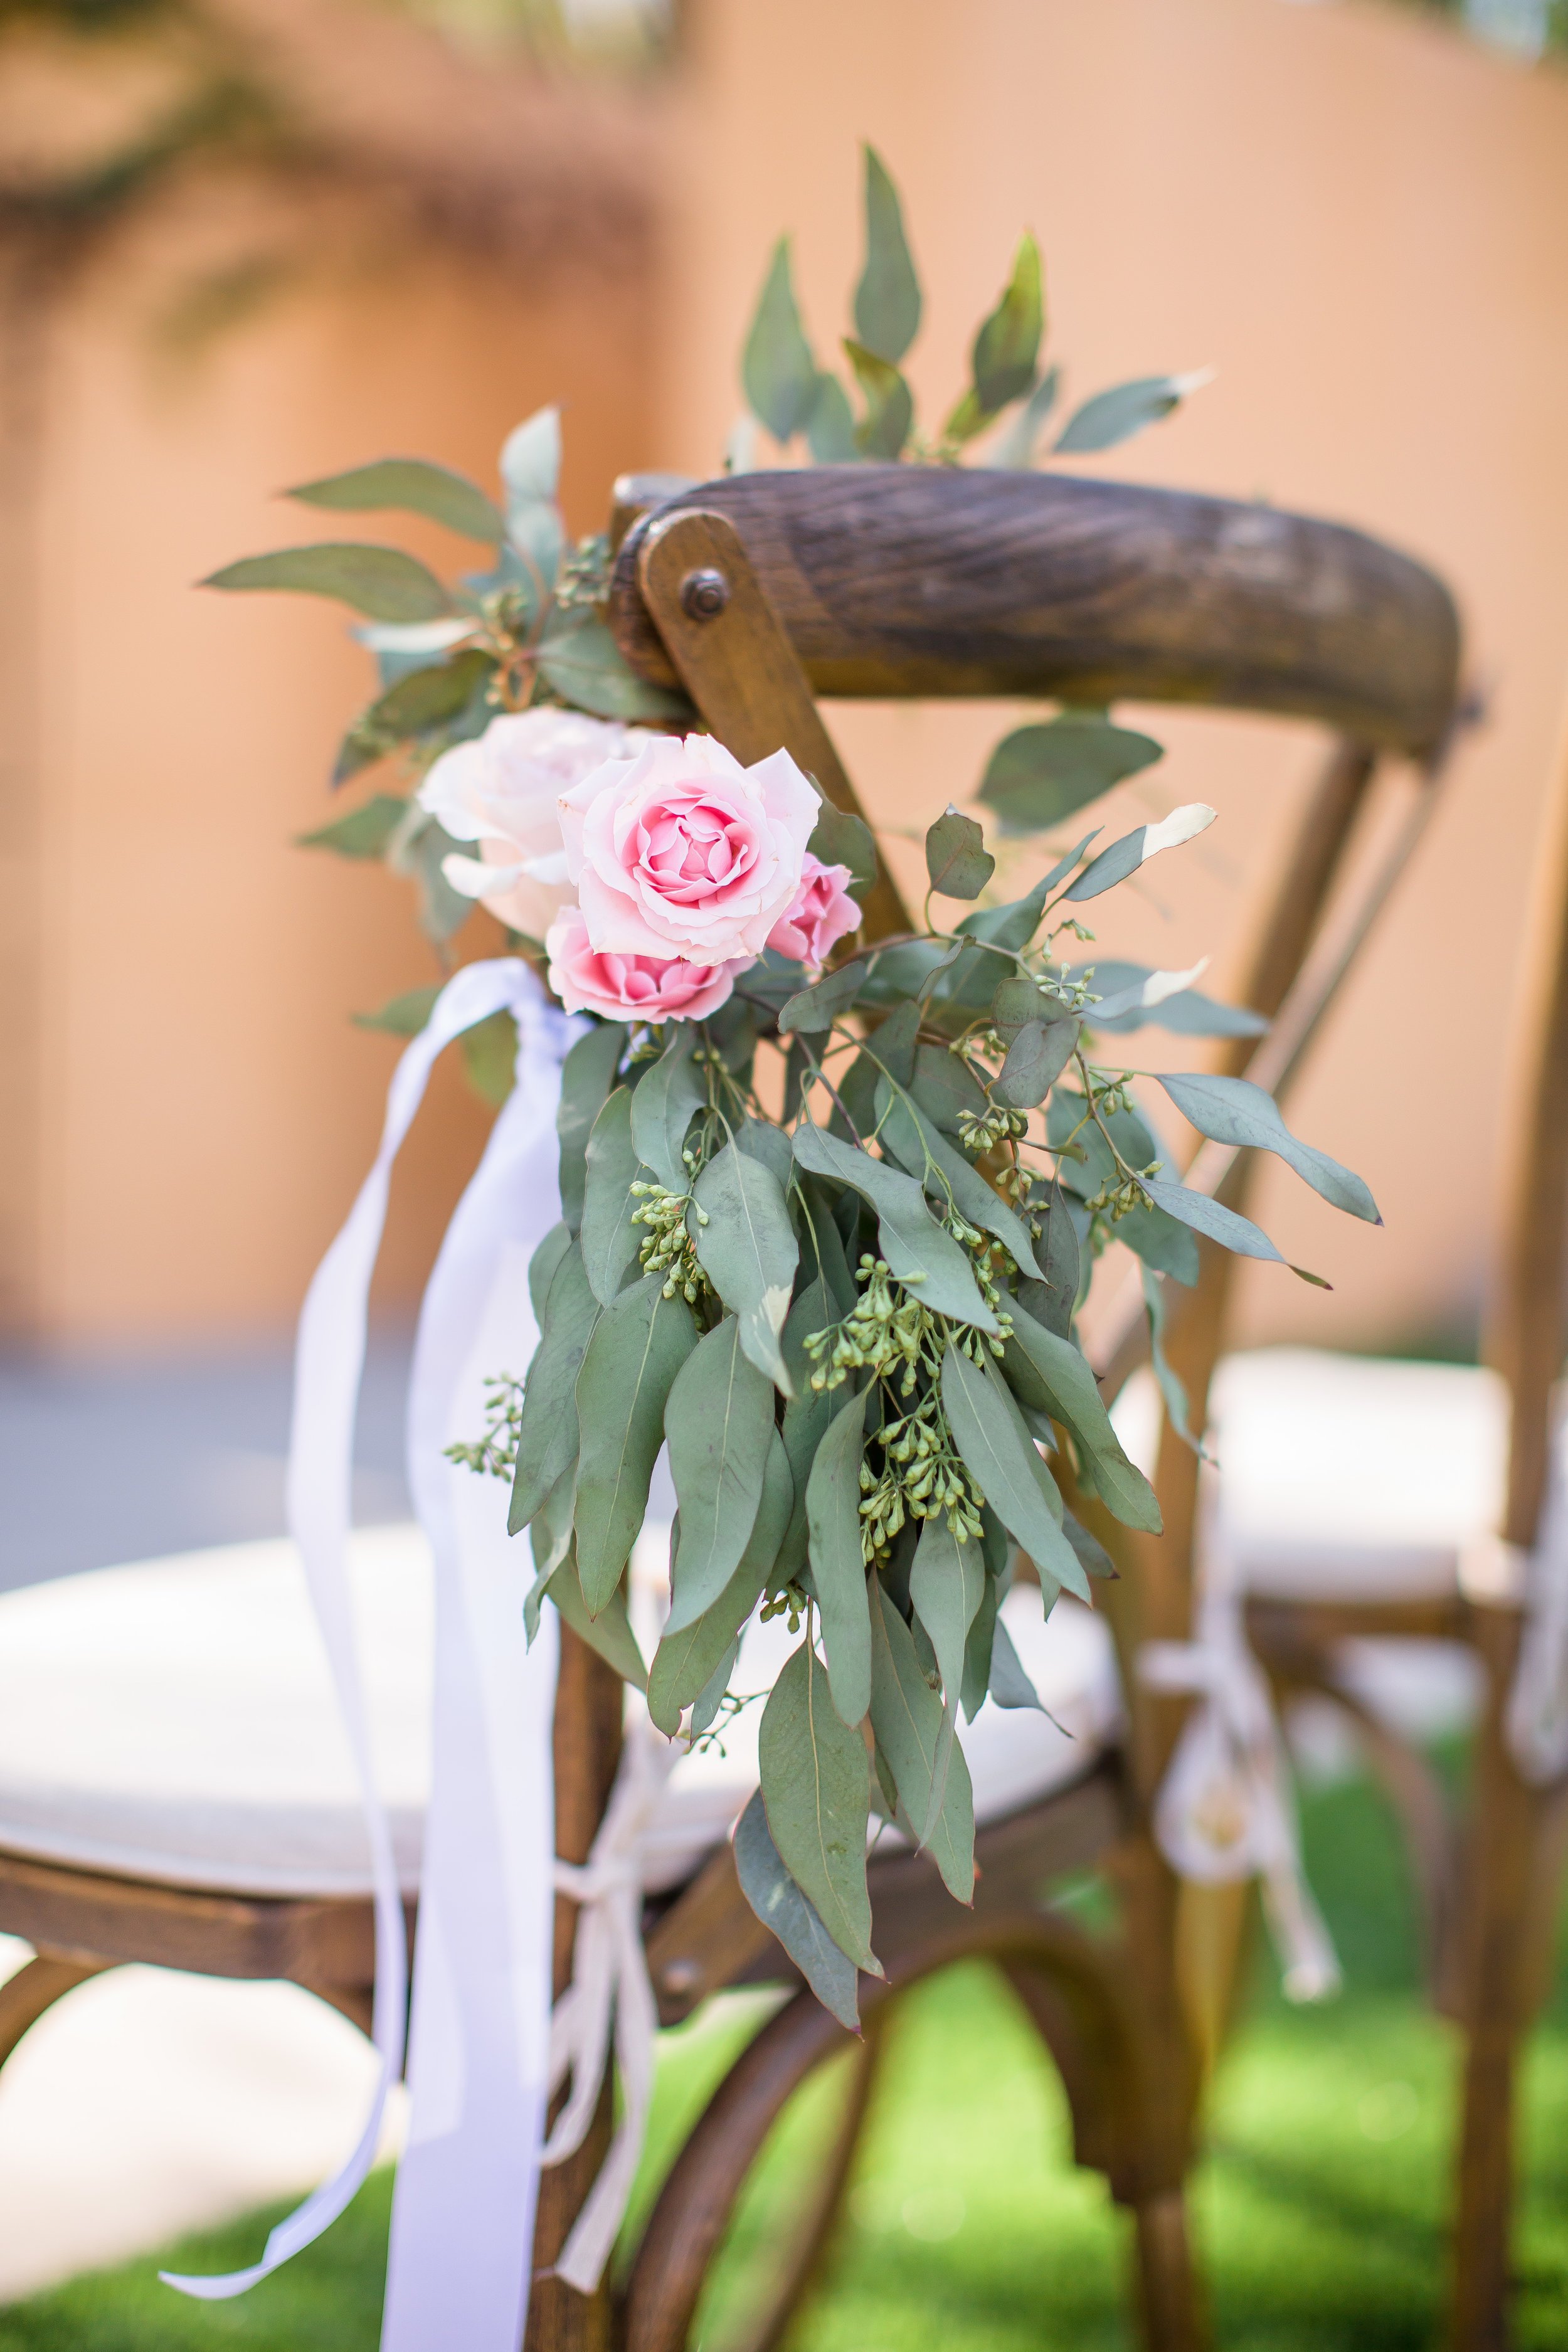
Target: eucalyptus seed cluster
982	1130
922	1478
667	1249
885	1335
493	1455
789	1603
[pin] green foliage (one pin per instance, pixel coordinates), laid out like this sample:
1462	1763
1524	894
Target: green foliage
719	1421
887	298
381	582
817	1798
412	485
1041	774
364	833
1117	414
777	367
957	860
638	1344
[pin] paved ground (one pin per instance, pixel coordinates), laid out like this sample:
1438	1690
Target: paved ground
114	1461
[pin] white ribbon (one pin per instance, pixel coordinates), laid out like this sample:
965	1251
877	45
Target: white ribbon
463	2213
1223	1810
1537	1719
609	1977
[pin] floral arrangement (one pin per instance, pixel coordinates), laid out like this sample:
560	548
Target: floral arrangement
829	1209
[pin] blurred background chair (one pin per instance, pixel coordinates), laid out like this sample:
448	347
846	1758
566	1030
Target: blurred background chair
1370	1511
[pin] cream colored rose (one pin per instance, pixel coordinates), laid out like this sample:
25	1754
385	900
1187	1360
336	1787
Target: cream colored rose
502	793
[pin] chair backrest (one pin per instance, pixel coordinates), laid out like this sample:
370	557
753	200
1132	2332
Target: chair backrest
938	581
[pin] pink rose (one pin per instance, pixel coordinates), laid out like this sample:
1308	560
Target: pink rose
654	989
501	792
682	852
822	915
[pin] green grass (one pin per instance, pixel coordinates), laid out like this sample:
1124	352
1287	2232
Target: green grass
1317	2209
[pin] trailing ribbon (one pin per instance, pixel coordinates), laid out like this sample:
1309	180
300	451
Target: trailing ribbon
1224	1810
1537	1719
609	1977
463	2209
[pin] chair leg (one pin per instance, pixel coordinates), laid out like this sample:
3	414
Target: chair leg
1508	1914
37	1987
1170	2306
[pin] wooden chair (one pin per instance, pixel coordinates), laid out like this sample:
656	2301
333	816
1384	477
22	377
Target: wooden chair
1435	1545
758	592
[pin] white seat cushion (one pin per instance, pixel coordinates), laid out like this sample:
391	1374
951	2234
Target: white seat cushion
1348	1478
174	1720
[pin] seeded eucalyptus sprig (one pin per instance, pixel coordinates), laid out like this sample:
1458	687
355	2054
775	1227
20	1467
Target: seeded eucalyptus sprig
853	1325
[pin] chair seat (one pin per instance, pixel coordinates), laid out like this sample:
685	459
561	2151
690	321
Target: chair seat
174	1720
1343	1479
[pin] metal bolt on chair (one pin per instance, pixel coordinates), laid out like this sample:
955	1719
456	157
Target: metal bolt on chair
122	1836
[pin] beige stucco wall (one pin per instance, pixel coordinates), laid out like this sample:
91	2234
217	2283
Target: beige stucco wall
1356	217
203	1109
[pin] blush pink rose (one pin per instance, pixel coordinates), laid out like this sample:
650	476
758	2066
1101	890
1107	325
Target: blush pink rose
682	852
501	792
822	915
654	989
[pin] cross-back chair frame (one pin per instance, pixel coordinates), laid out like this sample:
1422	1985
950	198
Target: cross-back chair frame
758	593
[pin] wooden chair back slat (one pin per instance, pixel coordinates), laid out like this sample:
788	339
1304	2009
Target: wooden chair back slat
933	580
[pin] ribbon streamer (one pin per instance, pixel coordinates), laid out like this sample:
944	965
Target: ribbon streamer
463	2211
609	1977
1223	1810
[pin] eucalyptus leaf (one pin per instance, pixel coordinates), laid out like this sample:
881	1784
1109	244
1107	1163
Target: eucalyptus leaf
663	1107
840	838
792	1918
914	1733
1233	1110
1135	849
547	1431
1057	1255
1155	1236
818	1006
530	472
365	832
1041	774
998	1450
381	582
1212	1219
609	1632
412	485
1093	1558
760	1140
711	1697
957	860
586	1076
978	1651
947	1585
777	369
1006	349
543	1266
830	430
1188	1014
946	1088
943	1170
890	403
1168	1380
1035	1061
815	1790
489	1049
1009	1685
838	1561
919	1254
745	1245
610	1240
687	1656
581	661
1122	411
887	298
1020	999
425	699
402	1016
718	1422
1014	447
1073	1399
638	1345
